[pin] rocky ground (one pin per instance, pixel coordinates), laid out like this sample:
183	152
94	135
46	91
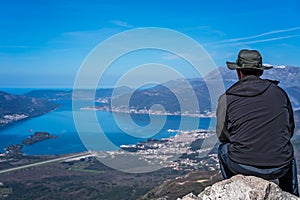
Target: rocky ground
242	187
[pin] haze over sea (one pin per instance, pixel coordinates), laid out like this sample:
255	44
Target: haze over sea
60	122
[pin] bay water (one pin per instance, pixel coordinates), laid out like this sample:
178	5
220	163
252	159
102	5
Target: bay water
60	122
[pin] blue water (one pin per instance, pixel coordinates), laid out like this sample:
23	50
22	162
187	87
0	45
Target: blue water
60	122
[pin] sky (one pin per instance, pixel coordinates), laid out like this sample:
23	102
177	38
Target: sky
43	44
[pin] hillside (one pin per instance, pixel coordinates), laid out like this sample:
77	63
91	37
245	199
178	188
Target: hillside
143	99
67	94
18	107
161	94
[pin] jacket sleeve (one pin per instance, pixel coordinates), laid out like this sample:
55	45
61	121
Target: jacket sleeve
221	128
291	113
291	117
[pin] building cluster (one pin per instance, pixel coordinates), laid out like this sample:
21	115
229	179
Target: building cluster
132	110
180	152
12	152
11	118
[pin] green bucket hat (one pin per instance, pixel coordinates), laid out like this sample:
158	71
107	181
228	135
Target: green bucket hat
248	59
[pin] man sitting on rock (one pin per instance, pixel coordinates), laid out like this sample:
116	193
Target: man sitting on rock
255	124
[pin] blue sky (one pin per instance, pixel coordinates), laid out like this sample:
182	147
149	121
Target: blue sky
43	43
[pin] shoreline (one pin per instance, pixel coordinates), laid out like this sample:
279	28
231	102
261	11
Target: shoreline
148	112
14	122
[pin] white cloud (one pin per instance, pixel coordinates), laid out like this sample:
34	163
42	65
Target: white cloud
265	37
83	38
121	23
204	30
166	56
262	40
260	35
184	56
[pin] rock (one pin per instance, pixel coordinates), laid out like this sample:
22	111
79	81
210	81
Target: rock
242	187
189	196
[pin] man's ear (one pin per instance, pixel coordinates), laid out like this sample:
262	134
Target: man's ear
261	72
239	74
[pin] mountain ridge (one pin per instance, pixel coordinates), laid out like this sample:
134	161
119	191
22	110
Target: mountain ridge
144	99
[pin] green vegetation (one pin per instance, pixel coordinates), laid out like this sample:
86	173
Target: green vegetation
87	179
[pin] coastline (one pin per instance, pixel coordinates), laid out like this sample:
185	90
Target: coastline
14	122
149	112
69	137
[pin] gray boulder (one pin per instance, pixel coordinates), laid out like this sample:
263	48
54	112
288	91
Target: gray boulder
242	187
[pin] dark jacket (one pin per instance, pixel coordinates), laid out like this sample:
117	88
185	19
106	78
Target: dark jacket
255	116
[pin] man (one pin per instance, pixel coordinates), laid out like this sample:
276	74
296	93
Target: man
255	124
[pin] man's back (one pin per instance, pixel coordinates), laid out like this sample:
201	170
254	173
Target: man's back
259	123
255	124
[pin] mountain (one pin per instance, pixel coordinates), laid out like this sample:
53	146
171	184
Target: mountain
175	96
287	75
60	94
162	94
51	94
18	107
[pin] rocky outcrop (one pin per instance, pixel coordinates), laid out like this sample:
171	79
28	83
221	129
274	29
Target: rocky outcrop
242	187
193	182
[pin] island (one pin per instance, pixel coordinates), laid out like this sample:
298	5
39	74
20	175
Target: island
38	137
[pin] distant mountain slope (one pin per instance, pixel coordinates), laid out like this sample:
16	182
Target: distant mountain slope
51	94
17	107
162	94
288	76
144	99
61	94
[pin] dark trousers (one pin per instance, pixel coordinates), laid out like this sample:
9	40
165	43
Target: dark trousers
286	175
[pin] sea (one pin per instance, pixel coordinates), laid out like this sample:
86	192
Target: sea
60	122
